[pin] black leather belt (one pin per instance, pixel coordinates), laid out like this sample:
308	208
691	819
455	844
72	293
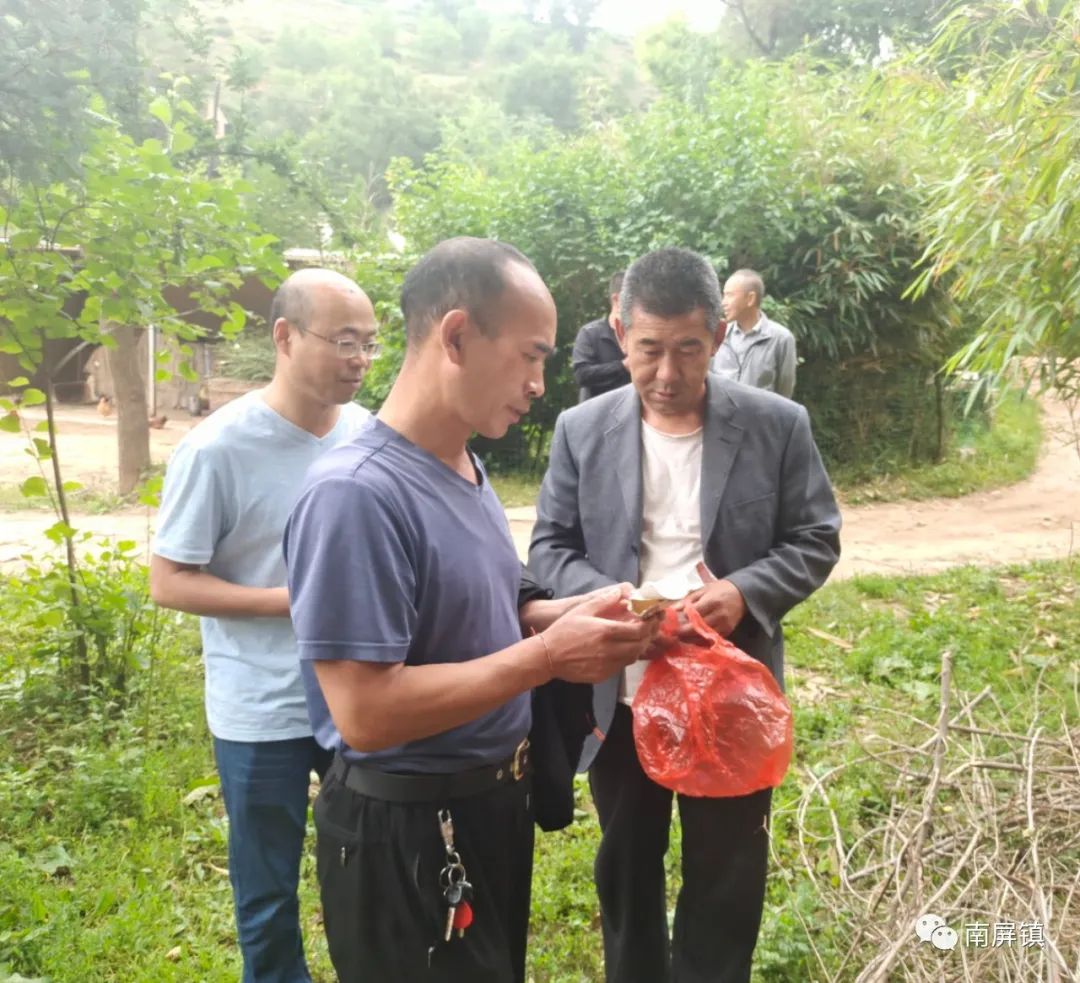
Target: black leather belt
396	787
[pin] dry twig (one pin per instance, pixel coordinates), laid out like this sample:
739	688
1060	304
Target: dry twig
982	829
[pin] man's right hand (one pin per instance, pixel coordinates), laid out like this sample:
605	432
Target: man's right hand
599	637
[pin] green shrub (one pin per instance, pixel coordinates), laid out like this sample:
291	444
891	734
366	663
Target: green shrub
81	635
250	355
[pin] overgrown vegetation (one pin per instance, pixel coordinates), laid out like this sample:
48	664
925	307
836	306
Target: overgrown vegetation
249	356
828	183
988	117
802	191
985	451
112	863
85	500
516	490
864	656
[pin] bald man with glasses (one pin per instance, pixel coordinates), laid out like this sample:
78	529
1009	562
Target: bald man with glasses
230	485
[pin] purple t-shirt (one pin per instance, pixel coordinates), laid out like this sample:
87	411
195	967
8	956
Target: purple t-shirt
394	557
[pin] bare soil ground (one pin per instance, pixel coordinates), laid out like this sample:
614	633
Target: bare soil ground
1038	518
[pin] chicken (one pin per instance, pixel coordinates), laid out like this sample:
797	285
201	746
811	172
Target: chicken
157	422
104	406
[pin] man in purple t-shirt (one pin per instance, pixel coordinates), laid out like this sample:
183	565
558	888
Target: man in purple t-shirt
404	587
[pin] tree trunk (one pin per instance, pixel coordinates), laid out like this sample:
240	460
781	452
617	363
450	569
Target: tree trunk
939	405
129	386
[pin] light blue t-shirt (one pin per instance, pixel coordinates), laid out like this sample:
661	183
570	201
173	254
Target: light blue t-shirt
229	488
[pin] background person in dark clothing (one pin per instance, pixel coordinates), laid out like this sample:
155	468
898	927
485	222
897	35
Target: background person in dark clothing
597	360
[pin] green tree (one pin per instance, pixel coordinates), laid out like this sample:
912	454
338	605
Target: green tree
574	18
680	61
513	40
306	50
54	55
993	106
365	122
92	261
136	225
480	128
437	46
775	170
382	25
837	28
546	84
474	26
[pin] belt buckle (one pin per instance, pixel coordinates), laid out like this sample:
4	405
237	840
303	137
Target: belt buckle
517	764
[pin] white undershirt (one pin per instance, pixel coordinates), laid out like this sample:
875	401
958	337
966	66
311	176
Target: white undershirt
670	516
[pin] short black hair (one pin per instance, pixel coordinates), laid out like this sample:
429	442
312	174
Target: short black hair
616	281
671	282
464	273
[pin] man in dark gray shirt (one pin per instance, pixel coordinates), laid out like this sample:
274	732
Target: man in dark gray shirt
598	360
404	586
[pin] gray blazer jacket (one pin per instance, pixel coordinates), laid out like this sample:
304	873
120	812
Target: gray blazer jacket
767	363
769	521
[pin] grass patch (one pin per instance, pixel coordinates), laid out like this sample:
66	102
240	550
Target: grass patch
513	489
866	652
110	869
106	873
90	500
84	499
516	490
980	457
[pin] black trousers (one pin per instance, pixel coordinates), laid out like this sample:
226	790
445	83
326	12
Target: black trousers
724	861
378	865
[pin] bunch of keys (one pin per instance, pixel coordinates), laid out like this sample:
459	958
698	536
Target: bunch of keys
457	891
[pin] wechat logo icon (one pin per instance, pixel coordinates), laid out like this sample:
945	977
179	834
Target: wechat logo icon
932	929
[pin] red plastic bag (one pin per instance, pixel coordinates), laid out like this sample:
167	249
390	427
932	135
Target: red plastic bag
708	719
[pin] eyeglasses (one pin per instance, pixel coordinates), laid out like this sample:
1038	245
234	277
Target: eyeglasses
350	347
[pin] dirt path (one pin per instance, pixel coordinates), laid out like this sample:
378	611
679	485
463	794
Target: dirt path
87	445
1035	519
1038	518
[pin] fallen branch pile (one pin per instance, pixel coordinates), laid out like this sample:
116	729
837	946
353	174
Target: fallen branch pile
981	828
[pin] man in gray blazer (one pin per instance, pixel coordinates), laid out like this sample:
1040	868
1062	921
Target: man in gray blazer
679	468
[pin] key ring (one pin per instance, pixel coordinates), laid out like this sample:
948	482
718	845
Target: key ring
451	874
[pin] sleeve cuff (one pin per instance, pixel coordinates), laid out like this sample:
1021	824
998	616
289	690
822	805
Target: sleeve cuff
350	652
178	554
753	608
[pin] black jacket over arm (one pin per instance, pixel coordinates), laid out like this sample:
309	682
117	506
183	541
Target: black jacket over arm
597	360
